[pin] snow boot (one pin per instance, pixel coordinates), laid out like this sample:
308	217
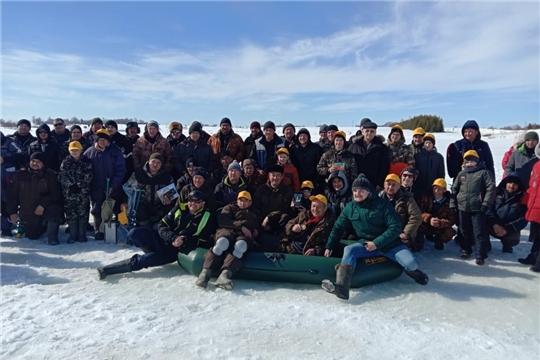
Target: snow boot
203	279
224	280
120	267
73	232
81	225
418	276
529	260
464	254
98	235
342	285
52	232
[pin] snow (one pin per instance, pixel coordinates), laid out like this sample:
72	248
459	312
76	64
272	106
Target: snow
53	306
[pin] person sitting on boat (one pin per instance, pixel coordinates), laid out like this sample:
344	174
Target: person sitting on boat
307	233
273	200
301	201
237	230
184	228
378	226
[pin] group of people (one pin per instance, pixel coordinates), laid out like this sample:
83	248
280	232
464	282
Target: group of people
388	195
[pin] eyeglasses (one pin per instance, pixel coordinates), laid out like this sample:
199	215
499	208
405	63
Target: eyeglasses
195	201
176	132
58	124
42	132
407	175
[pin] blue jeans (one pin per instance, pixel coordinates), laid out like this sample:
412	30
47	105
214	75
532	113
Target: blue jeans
400	254
157	251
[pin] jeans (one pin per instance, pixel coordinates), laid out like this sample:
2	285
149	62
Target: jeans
157	252
400	254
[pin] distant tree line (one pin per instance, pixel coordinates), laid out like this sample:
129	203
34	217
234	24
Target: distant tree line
430	123
529	126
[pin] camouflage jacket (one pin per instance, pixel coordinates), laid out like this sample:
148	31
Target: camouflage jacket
400	152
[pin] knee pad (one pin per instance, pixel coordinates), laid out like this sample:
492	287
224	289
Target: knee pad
240	247
220	246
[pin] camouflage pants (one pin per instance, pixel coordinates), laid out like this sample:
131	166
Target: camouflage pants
77	207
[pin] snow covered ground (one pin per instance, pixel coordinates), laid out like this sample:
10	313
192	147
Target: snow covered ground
53	306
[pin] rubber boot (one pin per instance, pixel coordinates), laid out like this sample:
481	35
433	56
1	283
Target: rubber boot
120	267
98	235
536	267
82	231
73	232
418	276
203	279
342	285
52	232
224	280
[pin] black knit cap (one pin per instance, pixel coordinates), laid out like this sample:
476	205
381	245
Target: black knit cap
75	127
192	161
225	120
288	125
323	128
361	182
157	156
111	123
38	156
96	120
195	126
269	125
332	128
276	168
25	122
255	124
304	131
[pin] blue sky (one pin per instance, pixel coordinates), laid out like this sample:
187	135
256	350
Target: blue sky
305	62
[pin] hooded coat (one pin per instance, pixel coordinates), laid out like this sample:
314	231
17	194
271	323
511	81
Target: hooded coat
110	164
50	148
508	211
337	200
314	237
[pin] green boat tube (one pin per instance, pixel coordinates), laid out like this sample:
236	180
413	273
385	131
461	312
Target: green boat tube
277	267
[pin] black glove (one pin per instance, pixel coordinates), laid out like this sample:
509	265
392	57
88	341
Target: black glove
454	210
74	189
484	209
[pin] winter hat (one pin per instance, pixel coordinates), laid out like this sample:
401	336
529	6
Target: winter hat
341	133
153	123
191	162
393	177
196	196
175	125
195	127
103	134
75	127
25	122
199	170
75	145
364	120
440	182
519	138
531	135
304	131
111	123
38	156
307	185
361	182
255	124
133	124
244	194
323	128
288	125
157	156
269	125
225	120
412	170
419	131
225	153
470	124
276	168
370	125
96	120
43	127
320	198
234	166
249	161
471	154
332	128
396	128
283	150
429	137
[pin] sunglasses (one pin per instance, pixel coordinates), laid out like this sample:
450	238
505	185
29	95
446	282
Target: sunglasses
58	124
42	132
407	175
195	201
176	132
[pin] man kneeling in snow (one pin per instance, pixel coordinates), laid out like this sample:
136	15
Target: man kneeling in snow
184	228
377	225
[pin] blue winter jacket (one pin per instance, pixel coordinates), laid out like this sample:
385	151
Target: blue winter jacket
110	164
260	154
508	211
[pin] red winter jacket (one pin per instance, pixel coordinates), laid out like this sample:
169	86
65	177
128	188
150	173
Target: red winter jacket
506	158
290	177
533	205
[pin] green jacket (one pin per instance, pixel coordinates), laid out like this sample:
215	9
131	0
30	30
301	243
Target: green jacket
473	188
372	220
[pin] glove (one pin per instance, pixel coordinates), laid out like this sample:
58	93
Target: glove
484	209
454	210
74	189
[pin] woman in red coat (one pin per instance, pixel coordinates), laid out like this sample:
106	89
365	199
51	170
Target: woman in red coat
533	215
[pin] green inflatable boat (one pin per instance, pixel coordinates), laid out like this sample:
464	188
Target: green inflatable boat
271	266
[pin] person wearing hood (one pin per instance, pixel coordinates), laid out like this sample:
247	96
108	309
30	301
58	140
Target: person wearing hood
523	154
199	180
289	135
91	135
60	133
371	155
76	135
407	209
377	226
10	159
151	178
305	156
23	139
48	146
417	143
36	195
232	184
152	142
175	136
430	164
194	147
437	218
474	193
264	149
472	140
338	158
255	133
506	217
121	142
227	140
132	131
338	192
399	152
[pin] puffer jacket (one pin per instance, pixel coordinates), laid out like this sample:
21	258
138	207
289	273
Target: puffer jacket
23	142
315	237
508	211
49	148
227	193
143	180
61	138
107	164
143	148
400	152
197	228
200	151
273	202
233	144
533	207
473	188
440	209
332	156
337	200
232	219
430	165
519	157
75	172
409	213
